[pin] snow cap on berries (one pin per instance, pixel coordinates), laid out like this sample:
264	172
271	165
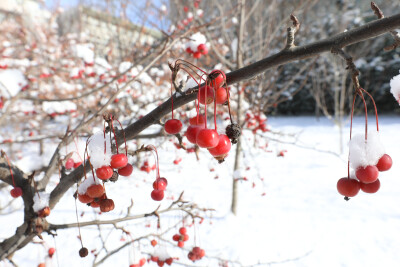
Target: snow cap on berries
98	155
365	152
86	183
395	87
162	253
40	201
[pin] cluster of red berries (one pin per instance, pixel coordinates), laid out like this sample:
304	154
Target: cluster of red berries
161	262
119	162
71	164
201	50
197	133
159	186
367	177
96	197
146	167
256	122
181	238
196	254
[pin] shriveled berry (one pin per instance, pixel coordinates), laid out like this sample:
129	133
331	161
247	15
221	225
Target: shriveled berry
233	131
83	252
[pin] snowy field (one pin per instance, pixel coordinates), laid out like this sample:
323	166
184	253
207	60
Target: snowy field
289	211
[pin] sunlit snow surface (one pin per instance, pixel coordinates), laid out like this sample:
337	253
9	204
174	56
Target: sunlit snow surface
295	217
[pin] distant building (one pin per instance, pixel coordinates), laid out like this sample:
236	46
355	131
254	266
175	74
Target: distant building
32	8
113	37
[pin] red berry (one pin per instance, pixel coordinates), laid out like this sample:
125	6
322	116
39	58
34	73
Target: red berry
107	205
176	237
77	164
223	147
142	261
181	244
153	242
44	212
160	263
185	237
201	120
191	256
371	188
384	163
69	164
197	54
196	251
182	230
173	126
348	187
367	174
202	253
186	9
169	261
16	192
118	161
207	138
84	198
164	180
95	191
157	195
202	48
126	171
191	133
154	258
42	265
219	80
104	172
221	95
189	50
210	94
159	184
51	252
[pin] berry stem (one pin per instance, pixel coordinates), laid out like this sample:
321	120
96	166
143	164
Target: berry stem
154	150
115	137
77	150
376	111
77	219
122	128
172	102
366	115
215	105
351	130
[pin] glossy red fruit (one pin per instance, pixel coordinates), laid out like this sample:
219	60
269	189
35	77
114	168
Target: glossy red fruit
201	120
185	237
218	78
16	192
44	212
95	191
207	138
182	230
348	187
159	184
202	253
367	174
223	147
104	172
176	237
210	95
154	258
42	265
384	163
164	180
142	261
118	161
160	263
77	164
173	126
153	242
107	205
371	188
126	171
189	50
69	164
95	204
84	198
181	244
191	133
202	48
196	251
197	54
157	195
51	252
221	95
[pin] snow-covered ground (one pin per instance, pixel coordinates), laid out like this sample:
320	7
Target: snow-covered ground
292	216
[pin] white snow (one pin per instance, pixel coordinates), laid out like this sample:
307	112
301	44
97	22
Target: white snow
99	149
365	152
395	87
58	107
85	51
162	253
40	201
11	82
82	188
